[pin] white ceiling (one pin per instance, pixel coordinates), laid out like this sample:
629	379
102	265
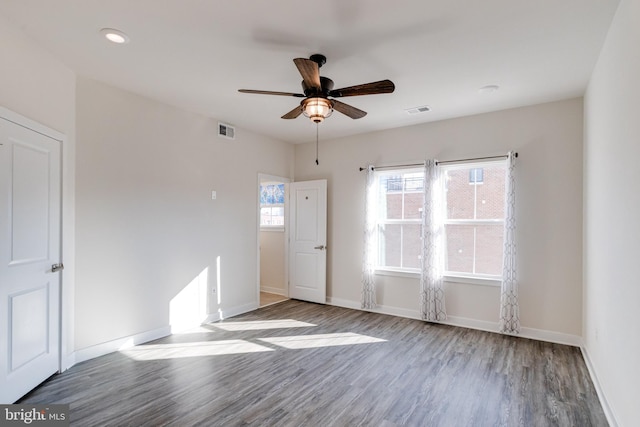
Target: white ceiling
195	54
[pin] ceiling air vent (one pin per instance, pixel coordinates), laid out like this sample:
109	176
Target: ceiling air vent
418	110
226	131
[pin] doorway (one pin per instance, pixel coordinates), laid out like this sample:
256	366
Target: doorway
273	237
30	252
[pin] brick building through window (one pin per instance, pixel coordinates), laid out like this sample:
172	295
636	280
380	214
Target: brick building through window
474	218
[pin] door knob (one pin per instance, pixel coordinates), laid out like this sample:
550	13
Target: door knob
321	247
57	267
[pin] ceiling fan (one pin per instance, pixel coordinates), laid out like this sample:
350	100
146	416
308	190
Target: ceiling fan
317	89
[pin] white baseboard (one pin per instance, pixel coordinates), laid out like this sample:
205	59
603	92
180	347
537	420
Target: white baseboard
464	322
67	361
273	290
382	309
224	313
120	344
482	325
127	342
551	336
596	383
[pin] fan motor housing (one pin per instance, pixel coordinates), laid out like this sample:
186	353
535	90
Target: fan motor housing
318	59
326	84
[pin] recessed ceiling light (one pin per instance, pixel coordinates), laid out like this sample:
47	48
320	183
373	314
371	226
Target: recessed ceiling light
488	89
115	36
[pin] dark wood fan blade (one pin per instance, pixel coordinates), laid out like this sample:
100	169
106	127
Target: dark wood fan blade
309	72
374	88
268	92
293	113
348	110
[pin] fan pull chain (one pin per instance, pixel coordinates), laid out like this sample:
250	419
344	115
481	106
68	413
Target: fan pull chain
317	163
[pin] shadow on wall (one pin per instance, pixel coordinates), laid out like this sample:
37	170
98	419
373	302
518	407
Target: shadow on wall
190	307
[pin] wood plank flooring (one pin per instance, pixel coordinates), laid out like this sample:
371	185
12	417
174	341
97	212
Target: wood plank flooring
303	364
267	298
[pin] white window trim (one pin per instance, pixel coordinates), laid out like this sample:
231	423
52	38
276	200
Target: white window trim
471	278
266	227
397	271
450	277
453	277
275	228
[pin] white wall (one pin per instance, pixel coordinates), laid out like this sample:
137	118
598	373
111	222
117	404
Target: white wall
548	138
611	213
147	227
272	262
39	87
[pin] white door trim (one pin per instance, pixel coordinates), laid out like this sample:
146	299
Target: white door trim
65	356
263	177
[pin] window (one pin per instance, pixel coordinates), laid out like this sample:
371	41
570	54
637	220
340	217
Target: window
476	175
272	206
474	219
400	197
474	196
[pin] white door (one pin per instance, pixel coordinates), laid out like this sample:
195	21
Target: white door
29	246
308	241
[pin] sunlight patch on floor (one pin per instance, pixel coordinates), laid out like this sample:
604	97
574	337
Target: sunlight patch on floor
322	340
194	349
261	324
197	330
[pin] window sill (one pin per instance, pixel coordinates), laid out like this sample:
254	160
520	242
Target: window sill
397	273
447	278
472	280
276	229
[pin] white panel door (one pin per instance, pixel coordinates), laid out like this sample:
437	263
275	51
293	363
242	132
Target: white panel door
29	246
308	241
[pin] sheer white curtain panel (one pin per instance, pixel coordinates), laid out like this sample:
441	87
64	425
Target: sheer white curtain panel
432	259
370	242
509	308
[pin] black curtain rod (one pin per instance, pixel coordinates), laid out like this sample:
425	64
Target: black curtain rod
504	156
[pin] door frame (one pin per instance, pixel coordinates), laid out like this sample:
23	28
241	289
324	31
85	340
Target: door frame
263	177
65	317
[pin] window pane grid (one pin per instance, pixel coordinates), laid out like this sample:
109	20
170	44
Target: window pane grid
400	221
400	197
399	245
474	219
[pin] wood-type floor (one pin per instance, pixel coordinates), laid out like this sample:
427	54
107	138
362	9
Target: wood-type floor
303	364
267	298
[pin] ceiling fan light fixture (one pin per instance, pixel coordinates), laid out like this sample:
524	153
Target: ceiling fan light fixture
317	108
